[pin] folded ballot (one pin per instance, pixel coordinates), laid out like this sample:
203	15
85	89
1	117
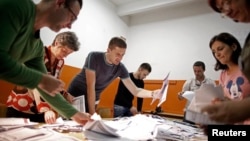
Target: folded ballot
163	91
79	103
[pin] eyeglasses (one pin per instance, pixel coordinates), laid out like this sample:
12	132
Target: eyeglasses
71	11
225	7
66	50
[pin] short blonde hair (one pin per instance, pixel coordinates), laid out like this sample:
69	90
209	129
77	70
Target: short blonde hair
68	39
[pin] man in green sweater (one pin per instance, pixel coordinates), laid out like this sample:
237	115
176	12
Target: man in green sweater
22	51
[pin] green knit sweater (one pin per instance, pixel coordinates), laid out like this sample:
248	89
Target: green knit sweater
22	52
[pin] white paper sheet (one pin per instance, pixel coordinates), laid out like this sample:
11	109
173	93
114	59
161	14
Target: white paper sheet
144	127
27	134
163	92
98	125
188	95
203	97
79	103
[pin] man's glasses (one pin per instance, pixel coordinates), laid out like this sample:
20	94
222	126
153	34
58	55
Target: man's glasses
71	11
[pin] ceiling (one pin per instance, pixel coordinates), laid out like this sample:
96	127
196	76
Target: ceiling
131	7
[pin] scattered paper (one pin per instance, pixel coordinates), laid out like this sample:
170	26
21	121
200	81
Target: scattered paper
19	134
144	127
39	134
98	125
14	121
64	126
95	116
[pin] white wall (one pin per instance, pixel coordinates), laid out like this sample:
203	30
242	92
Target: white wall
97	23
171	40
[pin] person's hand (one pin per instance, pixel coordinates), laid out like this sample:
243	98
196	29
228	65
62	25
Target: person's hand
204	128
81	118
156	94
70	98
133	110
51	85
180	97
228	111
217	100
50	117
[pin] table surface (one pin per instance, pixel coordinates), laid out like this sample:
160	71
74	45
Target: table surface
90	135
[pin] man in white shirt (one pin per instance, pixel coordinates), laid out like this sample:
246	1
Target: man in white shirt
195	83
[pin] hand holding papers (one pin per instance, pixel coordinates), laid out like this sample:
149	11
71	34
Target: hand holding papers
202	97
162	94
79	103
188	95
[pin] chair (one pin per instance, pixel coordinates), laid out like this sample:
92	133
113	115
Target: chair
3	109
105	112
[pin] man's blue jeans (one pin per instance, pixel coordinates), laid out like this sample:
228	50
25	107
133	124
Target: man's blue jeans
120	111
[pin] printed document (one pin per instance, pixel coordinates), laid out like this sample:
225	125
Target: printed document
203	97
163	92
79	103
98	125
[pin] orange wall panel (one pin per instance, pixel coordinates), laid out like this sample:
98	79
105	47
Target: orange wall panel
171	105
5	88
68	73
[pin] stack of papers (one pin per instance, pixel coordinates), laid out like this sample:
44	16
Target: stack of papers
99	126
13	123
20	129
203	97
28	134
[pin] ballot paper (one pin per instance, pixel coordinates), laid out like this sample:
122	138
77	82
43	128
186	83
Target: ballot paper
39	134
98	126
163	91
13	123
79	103
64	126
203	97
188	95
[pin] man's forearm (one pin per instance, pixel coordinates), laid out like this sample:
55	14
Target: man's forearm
91	102
59	104
143	93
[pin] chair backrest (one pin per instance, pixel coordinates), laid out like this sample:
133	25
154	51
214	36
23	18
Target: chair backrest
3	109
105	112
